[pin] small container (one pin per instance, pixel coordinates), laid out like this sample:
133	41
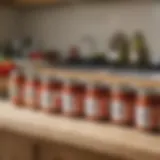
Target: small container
146	113
46	94
122	105
158	111
73	94
97	102
57	89
32	91
157	106
16	83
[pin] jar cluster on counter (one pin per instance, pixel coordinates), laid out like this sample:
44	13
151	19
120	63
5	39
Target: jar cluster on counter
119	104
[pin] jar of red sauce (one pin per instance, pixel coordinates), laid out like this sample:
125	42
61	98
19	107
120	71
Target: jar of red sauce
57	90
122	105
97	102
147	107
158	111
50	94
32	91
16	83
46	94
73	94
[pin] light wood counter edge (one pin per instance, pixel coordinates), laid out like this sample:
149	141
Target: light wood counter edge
101	77
104	138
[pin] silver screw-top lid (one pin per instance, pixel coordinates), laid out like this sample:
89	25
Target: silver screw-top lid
96	85
60	78
78	82
123	88
31	75
148	91
90	85
67	81
46	79
16	72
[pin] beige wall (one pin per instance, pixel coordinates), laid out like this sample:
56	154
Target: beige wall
59	27
8	24
62	26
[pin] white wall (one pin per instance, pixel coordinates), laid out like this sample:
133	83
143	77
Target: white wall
62	26
156	29
8	24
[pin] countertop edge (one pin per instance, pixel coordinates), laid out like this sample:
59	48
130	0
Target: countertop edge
98	137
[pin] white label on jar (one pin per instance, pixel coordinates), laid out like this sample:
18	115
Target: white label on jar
142	117
14	90
29	94
91	107
67	102
117	110
46	99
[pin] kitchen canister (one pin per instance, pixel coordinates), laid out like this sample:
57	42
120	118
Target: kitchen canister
50	94
16	83
46	94
147	109
122	104
73	94
57	98
97	102
32	91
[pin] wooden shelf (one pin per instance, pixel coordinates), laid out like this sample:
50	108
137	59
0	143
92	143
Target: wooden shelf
100	76
103	138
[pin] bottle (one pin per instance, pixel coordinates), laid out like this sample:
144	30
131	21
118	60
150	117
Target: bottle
46	94
97	102
74	56
16	82
73	94
32	91
119	50
57	90
147	105
122	105
140	53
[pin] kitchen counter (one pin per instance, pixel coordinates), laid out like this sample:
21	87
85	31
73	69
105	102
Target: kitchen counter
108	76
136	78
122	142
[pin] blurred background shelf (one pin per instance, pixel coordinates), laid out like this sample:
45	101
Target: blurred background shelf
107	76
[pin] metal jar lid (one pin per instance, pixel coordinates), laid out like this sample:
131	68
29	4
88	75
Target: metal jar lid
97	85
147	91
46	79
16	72
30	76
123	88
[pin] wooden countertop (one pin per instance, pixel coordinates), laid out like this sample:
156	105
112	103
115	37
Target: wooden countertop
101	76
105	138
92	75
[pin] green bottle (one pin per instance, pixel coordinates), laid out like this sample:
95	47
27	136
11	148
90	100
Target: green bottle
120	44
141	49
124	53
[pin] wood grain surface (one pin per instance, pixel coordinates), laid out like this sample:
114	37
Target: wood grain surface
102	77
92	76
104	138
